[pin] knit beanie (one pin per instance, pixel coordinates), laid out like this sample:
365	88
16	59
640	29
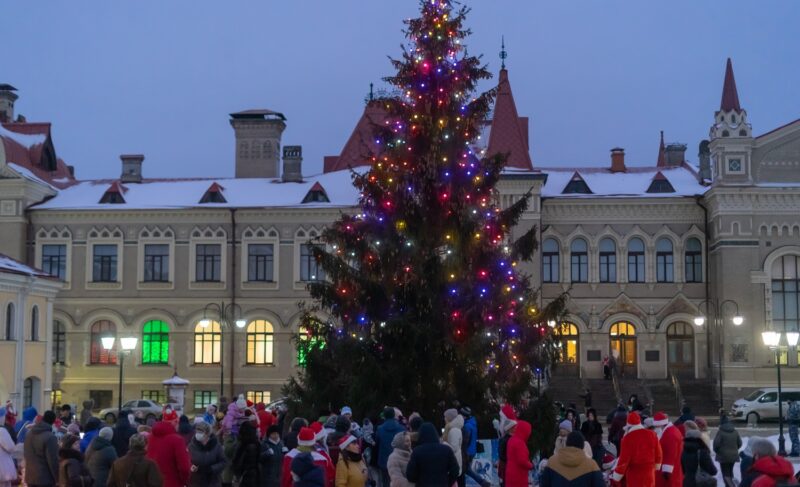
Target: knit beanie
565	425
106	433
450	415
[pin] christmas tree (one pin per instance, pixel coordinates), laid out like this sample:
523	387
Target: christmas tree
424	299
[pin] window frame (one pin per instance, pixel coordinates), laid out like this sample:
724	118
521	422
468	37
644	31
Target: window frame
256	339
96	350
207	335
208	236
785	290
579	260
608	269
10	322
34	335
255	262
547	262
215	263
107	273
258	396
206	397
59	342
665	262
639	262
47	265
148	339
693	259
56	237
260	236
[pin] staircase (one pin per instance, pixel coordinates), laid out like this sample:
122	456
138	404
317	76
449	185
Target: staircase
567	389
701	396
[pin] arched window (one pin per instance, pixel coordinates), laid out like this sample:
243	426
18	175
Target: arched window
636	260
664	261
566	338
579	260
608	260
99	355
155	343
694	260
679	330
680	347
785	277
260	340
10	321
59	343
207	343
623	328
35	324
550	261
27	393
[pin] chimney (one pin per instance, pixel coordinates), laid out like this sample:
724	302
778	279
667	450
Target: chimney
7	99
71	170
292	164
258	142
704	155
131	168
618	159
676	154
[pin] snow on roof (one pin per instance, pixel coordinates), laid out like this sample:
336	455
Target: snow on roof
25	140
186	193
632	183
27	174
7	264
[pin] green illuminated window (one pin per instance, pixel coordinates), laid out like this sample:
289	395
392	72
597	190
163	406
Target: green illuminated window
155	343
307	342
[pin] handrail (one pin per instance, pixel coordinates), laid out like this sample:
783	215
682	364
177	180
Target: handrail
647	392
677	385
615	383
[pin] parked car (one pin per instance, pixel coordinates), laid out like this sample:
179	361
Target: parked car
144	408
762	404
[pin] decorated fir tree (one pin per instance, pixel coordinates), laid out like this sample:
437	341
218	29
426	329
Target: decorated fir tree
424	300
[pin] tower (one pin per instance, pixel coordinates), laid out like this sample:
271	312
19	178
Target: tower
731	138
258	143
7	99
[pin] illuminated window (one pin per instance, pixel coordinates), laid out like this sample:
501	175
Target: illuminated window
260	341
566	340
56	396
99	355
623	328
203	398
258	396
155	342
207	343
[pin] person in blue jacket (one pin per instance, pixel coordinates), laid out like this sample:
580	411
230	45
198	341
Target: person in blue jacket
28	418
471	443
386	433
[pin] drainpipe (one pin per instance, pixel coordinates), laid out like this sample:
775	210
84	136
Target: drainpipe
698	200
233	302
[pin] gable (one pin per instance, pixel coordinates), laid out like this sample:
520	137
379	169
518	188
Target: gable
776	156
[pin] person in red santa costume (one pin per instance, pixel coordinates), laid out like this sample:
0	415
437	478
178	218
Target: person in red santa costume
170	416
639	457
671	441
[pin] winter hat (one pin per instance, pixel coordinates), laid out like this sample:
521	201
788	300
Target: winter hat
73	429
465	411
634	419
241	403
273	429
346	440
690	425
318	430
508	418
608	461
575	439
701	424
347	410
106	433
249	403
306	437
450	415
660	419
565	425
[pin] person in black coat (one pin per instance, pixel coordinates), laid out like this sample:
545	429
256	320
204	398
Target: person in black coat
247	459
696	455
290	440
432	463
123	431
208	461
592	431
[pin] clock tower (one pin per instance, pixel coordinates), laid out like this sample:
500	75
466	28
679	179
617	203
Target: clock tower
731	138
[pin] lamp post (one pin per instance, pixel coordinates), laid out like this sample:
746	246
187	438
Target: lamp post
127	345
772	339
227	315
715	309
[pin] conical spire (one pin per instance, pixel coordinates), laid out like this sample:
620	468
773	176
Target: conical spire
662	153
509	132
730	97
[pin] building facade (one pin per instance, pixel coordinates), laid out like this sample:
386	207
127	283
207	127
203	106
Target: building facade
208	272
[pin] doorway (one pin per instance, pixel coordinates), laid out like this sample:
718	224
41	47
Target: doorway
680	349
566	337
623	348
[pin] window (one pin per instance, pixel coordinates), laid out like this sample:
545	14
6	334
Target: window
105	263
35	324
608	260
155	343
156	262
636	260
579	261
156	395
56	397
258	396
306	343
623	329
10	321
54	260
203	398
259	343
309	267
207	343
694	261
99	355
566	341
27	393
59	343
260	262
550	261
786	293
576	185
208	259
664	261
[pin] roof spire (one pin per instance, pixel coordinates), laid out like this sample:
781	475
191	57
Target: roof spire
371	93
503	53
730	96
662	154
509	132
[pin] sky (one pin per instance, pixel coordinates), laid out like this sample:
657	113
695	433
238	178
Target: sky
160	77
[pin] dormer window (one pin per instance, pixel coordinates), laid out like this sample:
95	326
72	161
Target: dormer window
577	185
316	194
660	184
113	194
214	194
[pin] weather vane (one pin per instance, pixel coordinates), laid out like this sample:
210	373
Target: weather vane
503	53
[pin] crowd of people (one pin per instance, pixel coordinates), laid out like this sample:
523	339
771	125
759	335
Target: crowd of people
245	445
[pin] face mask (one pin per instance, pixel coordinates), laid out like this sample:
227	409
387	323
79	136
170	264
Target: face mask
168	411
131	418
199	437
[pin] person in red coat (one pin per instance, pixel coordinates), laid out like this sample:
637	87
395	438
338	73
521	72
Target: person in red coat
265	419
305	444
671	441
639	457
518	459
168	450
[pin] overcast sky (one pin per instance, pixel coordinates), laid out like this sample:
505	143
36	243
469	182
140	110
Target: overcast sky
160	77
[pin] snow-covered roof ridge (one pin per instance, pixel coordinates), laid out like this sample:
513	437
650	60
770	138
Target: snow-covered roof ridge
25	140
27	174
634	182
13	266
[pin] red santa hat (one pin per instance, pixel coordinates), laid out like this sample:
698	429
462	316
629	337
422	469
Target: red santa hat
345	441
609	461
318	429
305	437
249	403
634	419
660	419
508	418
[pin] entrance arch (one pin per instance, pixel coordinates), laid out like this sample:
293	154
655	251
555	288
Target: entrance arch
623	347
680	348
565	338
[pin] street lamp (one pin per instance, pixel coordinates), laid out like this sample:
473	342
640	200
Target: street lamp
227	314
716	309
772	339
127	345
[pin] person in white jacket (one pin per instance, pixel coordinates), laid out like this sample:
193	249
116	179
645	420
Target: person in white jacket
453	436
8	471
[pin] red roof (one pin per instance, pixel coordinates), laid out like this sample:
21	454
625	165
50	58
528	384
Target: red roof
317	187
361	146
662	155
215	188
509	131
31	155
730	96
659	177
116	187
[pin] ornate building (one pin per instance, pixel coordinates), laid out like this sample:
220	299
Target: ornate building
207	272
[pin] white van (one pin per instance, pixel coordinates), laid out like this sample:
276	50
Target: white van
762	404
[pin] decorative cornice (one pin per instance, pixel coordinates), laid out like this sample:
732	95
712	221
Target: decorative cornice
629	210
